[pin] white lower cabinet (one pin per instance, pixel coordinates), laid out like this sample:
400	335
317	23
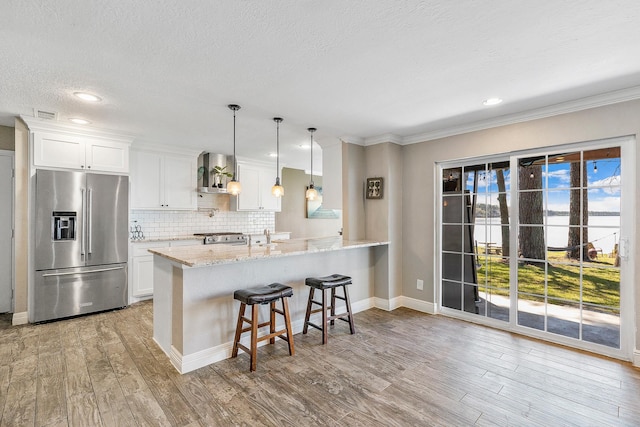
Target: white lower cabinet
141	265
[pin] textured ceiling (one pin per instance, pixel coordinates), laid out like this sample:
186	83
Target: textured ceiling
360	69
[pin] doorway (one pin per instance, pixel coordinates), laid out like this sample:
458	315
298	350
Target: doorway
534	242
6	231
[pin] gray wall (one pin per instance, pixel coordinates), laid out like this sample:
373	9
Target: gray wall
293	217
383	217
353	178
7	138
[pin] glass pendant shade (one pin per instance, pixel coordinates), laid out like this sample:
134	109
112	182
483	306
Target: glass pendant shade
234	187
311	193
277	190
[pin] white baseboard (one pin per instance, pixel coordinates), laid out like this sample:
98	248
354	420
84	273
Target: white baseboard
419	305
402	301
21	318
388	305
362	305
636	358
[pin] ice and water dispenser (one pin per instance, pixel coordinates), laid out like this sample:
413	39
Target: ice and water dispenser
63	226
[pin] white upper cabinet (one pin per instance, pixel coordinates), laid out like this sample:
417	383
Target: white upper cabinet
163	181
60	150
256	180
57	145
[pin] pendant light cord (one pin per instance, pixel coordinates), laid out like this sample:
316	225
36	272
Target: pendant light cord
311	130
278	150
235	165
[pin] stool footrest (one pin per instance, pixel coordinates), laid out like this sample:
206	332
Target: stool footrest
272	335
314	325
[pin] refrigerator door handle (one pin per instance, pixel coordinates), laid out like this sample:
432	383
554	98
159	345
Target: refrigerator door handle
70	273
89	225
84	215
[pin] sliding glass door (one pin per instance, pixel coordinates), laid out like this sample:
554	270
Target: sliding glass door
539	250
568	272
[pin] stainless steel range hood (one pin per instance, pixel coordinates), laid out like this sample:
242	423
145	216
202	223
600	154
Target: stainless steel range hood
206	163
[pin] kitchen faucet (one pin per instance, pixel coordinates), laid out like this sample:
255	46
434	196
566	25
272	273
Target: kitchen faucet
268	234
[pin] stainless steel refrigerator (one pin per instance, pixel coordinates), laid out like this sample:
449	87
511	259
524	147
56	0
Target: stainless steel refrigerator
81	244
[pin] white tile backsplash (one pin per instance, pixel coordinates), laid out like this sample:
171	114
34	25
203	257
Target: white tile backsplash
170	224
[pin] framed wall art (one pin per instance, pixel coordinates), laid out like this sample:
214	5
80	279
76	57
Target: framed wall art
374	188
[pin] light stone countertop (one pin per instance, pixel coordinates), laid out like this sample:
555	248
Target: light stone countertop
206	255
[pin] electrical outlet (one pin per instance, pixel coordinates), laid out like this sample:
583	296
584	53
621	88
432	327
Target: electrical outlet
420	284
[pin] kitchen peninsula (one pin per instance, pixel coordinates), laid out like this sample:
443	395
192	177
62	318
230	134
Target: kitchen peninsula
195	314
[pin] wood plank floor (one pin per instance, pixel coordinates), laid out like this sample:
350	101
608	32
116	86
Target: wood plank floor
401	368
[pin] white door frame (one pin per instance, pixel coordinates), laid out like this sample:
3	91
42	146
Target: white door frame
627	239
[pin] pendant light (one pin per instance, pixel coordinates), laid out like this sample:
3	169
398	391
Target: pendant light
312	193
277	190
234	187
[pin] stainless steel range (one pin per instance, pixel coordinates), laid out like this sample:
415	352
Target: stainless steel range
229	238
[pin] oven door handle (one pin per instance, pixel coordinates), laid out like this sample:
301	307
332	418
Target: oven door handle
70	273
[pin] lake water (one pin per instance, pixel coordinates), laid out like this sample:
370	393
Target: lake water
604	231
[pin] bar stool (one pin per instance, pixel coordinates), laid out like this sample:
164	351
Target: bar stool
324	283
255	297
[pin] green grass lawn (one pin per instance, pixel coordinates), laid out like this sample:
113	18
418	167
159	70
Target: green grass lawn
600	284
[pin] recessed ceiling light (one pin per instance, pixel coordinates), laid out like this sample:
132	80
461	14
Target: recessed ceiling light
87	96
79	121
273	155
492	101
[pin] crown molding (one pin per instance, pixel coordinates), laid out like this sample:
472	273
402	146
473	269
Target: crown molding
387	137
595	101
352	140
165	149
35	124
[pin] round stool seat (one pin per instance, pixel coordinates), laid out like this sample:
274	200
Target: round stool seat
263	294
328	281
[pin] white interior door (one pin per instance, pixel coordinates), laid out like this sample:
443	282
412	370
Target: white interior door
6	226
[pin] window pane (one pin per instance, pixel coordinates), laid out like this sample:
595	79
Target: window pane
601	327
452	209
563	318
470	298
531	311
451	266
563	281
452	238
559	170
532	244
452	294
601	286
603	167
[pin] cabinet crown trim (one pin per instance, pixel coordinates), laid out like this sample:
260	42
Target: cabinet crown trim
39	125
165	149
